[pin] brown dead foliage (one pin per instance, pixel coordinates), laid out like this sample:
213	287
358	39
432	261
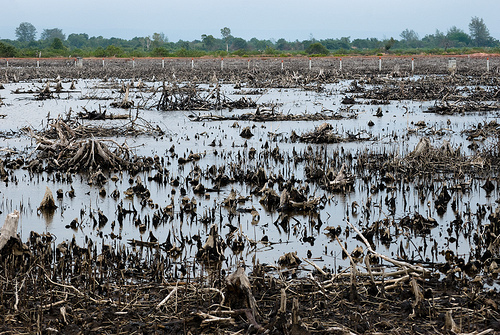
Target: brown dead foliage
325	133
70	146
47	286
68	288
266	114
263	71
190	97
450	108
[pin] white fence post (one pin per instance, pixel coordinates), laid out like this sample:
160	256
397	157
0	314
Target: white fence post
452	65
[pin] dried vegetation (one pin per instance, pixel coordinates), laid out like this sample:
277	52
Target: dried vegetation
50	286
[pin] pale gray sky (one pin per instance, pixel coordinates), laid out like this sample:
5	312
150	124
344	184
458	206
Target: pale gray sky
264	19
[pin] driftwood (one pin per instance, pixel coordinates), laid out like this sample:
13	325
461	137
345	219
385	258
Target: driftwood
269	114
239	292
125	103
3	173
290	259
270	198
167	298
45	93
9	228
212	250
69	153
422	148
450	324
429	158
246	133
101	115
450	108
294	201
94	154
189	97
404	265
69	129
342	181
48	203
325	133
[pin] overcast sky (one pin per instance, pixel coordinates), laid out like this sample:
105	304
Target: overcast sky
264	19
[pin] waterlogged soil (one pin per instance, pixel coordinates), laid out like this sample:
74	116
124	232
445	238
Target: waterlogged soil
373	192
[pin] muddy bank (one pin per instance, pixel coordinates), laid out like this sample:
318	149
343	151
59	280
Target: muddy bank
67	288
261	71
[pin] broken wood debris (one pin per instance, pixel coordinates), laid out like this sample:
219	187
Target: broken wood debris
189	97
325	133
270	114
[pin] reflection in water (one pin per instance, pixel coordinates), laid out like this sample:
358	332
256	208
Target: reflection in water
48	216
378	204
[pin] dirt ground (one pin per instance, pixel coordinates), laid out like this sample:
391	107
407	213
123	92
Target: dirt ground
202	69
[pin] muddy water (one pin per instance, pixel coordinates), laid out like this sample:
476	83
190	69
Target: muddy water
395	131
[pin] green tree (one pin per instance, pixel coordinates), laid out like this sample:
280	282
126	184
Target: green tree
457	37
239	44
77	40
270	50
57	44
159	39
7	50
50	34
361	44
99	52
26	32
335	44
282	44
226	33
98	41
259	45
160	52
371	43
147	42
345	42
388	44
440	40
317	49
209	42
183	45
410	38
297	45
113	51
479	32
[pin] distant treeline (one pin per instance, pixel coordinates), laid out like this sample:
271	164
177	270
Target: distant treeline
53	42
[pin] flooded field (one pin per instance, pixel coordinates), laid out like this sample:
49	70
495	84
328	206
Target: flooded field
210	196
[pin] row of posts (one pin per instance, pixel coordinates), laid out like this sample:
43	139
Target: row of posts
452	63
